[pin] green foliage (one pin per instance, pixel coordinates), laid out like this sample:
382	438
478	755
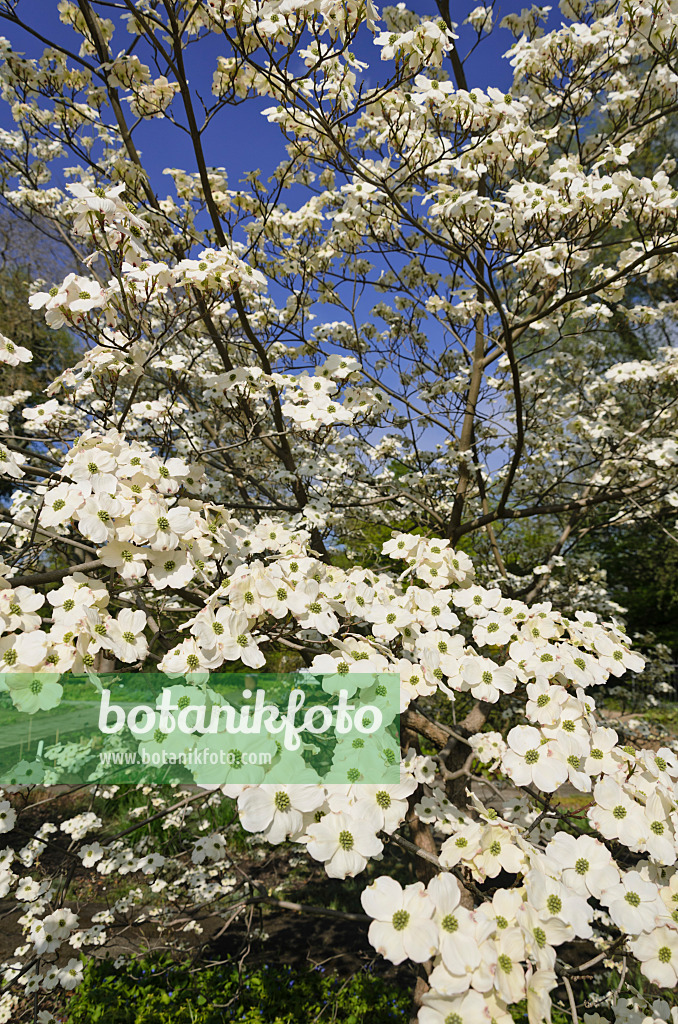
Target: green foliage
642	571
666	716
26	255
30	253
158	991
52	350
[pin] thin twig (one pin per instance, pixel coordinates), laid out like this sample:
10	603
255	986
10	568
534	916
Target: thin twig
570	996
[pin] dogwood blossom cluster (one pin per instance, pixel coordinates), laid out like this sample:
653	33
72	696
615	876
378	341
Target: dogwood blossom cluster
414	629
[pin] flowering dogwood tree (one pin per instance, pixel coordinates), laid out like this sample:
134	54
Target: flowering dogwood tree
304	407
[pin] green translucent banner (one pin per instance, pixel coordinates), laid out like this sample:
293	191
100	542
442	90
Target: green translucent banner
129	728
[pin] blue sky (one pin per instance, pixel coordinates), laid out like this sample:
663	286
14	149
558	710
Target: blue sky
240	139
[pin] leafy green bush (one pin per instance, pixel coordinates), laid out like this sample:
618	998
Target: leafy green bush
159	991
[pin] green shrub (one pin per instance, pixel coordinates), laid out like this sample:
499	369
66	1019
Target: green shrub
159	991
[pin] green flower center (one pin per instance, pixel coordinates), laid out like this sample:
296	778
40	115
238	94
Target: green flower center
581	866
554	904
282	801
346	840
400	920
531	756
633	899
449	923
505	962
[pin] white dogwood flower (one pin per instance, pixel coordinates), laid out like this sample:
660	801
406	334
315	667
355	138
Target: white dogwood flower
402	926
344	843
